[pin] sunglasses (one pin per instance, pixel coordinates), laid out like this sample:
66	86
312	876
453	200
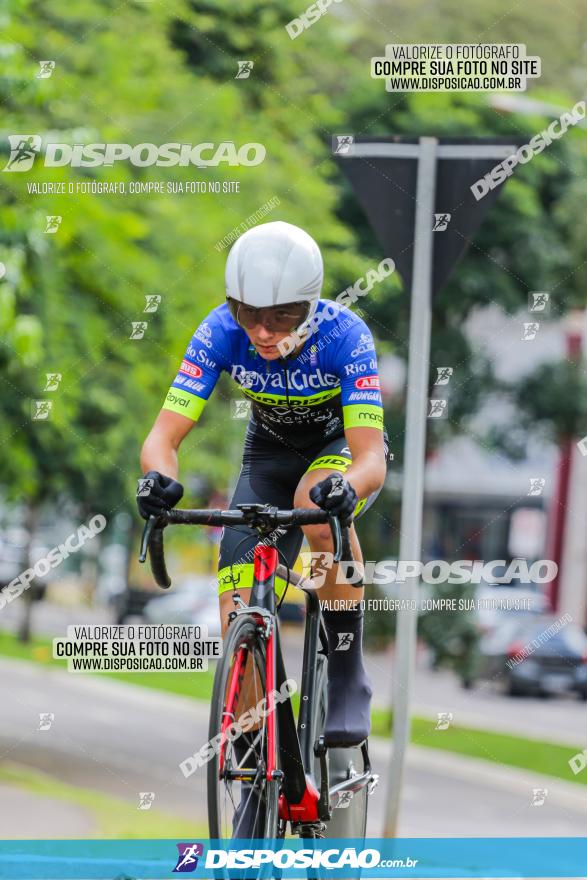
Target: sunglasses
280	319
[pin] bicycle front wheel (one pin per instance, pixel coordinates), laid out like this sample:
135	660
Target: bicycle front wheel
242	802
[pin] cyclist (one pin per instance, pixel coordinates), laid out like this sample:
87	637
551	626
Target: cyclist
309	368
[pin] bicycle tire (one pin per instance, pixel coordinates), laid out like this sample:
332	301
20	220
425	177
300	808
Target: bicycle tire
242	631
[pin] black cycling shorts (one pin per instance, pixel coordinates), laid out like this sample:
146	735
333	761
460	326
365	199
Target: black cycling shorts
270	474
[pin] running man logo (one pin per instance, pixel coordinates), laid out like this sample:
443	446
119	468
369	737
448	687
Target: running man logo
41	409
138	329
342	144
24	149
53	222
344	641
152	302
146	799
187	860
344	800
443	375
46	719
537	484
538	302
444	719
46	69
316	565
530	330
53	380
241	409
437	408
441	222
244	69
144	487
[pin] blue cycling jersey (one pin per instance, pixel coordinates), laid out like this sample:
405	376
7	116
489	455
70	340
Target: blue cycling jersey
329	385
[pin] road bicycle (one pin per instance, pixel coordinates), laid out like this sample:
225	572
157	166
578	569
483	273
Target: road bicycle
287	771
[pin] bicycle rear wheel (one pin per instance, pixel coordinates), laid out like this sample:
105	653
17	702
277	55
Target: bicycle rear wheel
239	684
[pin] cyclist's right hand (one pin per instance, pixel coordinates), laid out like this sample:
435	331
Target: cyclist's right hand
162	493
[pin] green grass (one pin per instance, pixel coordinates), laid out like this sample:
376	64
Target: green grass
538	756
113	817
188	684
535	755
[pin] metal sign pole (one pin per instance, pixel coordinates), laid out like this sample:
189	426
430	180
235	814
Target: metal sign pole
429	154
414	463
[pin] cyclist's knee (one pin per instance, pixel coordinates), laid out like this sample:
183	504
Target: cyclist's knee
319	537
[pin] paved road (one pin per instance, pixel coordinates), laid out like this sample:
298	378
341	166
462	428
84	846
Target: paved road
561	719
123	740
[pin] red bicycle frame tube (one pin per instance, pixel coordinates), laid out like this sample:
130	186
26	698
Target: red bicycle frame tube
265	564
236	680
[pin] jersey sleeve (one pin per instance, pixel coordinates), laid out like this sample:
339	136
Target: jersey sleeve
359	379
206	356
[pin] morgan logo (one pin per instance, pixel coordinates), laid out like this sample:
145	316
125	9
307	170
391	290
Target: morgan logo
190	369
367	382
24	149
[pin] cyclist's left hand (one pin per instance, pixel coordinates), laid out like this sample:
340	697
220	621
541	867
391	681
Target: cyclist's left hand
337	496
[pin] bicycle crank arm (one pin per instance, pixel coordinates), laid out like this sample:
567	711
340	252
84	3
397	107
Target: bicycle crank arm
321	752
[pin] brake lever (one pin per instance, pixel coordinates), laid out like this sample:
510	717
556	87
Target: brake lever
336	531
146	536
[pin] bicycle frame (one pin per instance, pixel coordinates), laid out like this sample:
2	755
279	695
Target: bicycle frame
300	800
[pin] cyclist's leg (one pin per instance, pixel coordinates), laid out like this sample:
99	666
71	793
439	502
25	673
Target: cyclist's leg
348	720
269	475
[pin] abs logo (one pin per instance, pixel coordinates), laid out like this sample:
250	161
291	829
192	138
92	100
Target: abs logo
366	382
24	149
190	369
187	860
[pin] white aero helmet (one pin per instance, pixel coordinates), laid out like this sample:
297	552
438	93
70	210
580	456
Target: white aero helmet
275	263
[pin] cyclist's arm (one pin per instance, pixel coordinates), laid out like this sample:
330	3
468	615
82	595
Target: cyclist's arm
159	452
362	409
198	373
368	470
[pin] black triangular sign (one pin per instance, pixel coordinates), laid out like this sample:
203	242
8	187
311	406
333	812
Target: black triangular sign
386	190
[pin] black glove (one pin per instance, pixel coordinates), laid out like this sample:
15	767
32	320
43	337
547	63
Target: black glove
336	496
160	493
